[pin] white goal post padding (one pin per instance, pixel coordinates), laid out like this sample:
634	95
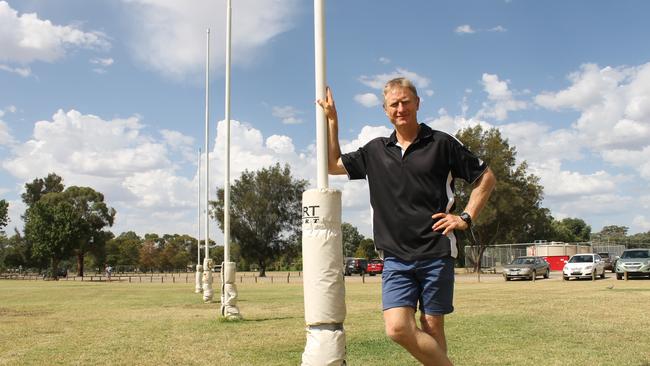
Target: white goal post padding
324	289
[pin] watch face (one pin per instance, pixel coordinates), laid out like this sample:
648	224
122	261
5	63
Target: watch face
466	217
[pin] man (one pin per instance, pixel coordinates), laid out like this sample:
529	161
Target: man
411	178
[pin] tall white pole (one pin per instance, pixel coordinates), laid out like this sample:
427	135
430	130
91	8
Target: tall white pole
198	288
322	250
207	262
207	143
321	122
198	208
229	295
226	183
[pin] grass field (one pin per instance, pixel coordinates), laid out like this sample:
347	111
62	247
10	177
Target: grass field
548	322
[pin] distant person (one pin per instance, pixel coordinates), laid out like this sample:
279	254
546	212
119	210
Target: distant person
109	270
411	177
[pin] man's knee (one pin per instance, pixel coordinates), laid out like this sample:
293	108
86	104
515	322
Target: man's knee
398	329
433	324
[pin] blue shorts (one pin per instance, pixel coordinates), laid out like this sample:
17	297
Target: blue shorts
429	283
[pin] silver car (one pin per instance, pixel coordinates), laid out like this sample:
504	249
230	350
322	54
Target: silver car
526	267
636	262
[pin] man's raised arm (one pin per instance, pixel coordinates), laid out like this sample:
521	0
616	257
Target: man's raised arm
334	163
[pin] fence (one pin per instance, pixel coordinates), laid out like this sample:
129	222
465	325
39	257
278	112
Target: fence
242	277
500	254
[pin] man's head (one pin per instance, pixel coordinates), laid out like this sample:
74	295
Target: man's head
401	102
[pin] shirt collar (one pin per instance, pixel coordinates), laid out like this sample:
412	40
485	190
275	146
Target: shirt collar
425	132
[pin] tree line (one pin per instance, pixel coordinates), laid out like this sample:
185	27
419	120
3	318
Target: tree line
69	227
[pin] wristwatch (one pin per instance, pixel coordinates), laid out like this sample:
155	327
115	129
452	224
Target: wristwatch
467	218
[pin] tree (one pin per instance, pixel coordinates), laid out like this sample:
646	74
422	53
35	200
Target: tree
94	215
612	233
40	187
351	239
265	213
52	224
148	256
366	249
124	250
4	215
571	230
513	212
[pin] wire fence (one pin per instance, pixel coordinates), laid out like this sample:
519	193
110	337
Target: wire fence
189	277
497	255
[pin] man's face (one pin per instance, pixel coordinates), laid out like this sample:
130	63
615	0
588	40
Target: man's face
401	106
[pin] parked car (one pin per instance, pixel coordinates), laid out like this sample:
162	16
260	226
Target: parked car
608	260
636	262
355	265
375	266
526	267
584	266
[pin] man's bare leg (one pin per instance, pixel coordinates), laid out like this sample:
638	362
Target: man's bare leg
434	325
401	328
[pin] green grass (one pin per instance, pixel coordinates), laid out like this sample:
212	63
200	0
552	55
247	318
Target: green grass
548	322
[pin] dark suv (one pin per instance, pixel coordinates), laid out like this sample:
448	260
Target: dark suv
355	265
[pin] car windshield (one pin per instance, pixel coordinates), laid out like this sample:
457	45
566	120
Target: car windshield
581	259
636	254
523	261
604	255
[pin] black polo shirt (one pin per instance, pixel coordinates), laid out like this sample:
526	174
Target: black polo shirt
405	190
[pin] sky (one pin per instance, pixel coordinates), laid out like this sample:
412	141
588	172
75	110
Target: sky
111	94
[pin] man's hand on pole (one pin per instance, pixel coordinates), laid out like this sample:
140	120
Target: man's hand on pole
334	163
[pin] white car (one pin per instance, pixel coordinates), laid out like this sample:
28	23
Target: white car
584	266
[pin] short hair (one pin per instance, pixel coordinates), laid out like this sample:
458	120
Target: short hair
401	82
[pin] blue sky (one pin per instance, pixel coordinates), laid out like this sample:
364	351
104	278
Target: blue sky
110	94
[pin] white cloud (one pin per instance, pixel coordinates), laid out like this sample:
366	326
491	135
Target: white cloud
288	114
379	81
169	35
501	100
614	113
498	28
452	124
103	64
537	142
367	133
589	86
384	60
5	134
641	223
429	92
26	38
177	142
280	144
594	205
22	71
464	29
367	100
136	172
467	29
102	61
564	183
